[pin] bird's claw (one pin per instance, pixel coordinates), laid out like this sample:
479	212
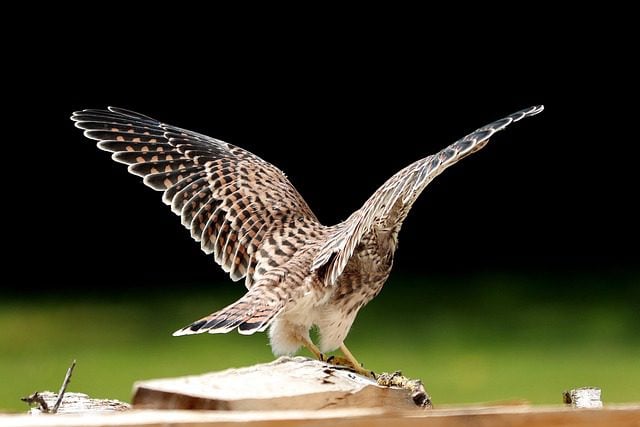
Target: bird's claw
343	361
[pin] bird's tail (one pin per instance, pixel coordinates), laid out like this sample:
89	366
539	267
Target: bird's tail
251	313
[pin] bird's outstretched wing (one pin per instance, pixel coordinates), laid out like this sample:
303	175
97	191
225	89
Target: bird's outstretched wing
231	200
390	204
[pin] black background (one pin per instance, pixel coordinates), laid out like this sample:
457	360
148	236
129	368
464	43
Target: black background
556	192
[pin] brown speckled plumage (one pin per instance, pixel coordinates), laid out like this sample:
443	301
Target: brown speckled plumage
243	210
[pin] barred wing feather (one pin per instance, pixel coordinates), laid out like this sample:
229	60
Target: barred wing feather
390	204
231	200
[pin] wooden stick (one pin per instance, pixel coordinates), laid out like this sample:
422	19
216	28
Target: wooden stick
63	389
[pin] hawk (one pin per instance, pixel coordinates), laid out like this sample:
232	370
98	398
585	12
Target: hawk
243	210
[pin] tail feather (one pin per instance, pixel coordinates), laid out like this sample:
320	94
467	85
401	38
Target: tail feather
251	313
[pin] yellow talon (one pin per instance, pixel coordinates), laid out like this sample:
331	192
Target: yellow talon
348	361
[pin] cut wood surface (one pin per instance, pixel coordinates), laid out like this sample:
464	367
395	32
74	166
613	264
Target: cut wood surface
286	383
505	416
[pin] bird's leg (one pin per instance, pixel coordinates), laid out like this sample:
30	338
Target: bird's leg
350	361
313	348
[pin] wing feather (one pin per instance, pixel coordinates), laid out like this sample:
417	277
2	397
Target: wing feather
390	204
229	198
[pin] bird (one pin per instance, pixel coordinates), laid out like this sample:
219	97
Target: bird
299	274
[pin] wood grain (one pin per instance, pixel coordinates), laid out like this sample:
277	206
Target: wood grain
509	416
285	384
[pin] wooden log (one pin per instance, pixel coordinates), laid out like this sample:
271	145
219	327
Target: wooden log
286	383
73	403
509	416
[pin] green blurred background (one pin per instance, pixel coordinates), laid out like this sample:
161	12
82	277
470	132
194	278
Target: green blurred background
472	338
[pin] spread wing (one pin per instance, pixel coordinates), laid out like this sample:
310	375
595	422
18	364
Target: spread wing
231	200
390	204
